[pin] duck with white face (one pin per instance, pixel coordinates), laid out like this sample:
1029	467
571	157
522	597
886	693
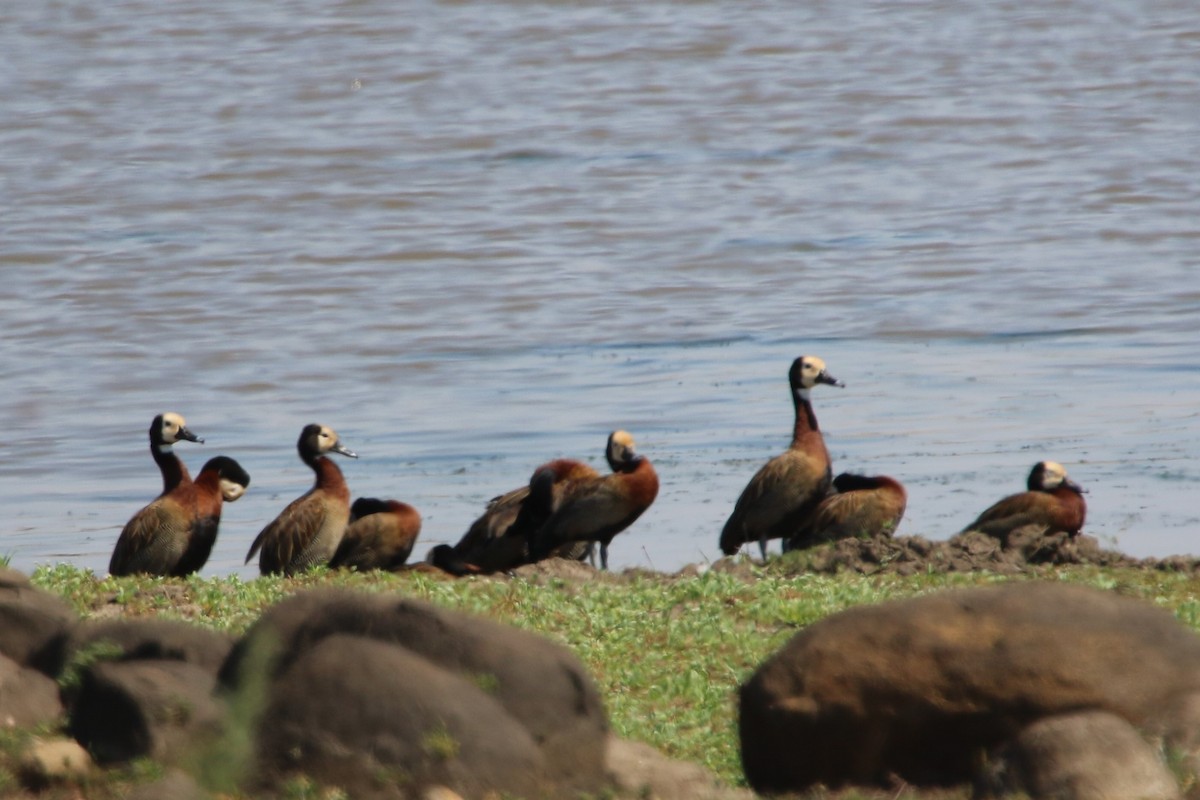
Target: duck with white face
785	491
1051	500
596	509
308	531
174	534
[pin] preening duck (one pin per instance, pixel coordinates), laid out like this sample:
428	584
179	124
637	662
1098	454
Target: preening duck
596	509
380	535
860	506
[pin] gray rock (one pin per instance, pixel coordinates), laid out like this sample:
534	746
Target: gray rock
150	639
33	624
1090	755
27	697
159	708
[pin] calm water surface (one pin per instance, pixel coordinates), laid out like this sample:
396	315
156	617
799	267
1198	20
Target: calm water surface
475	236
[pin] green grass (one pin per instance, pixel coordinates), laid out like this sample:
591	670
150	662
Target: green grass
667	653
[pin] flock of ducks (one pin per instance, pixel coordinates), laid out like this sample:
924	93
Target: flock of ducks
567	509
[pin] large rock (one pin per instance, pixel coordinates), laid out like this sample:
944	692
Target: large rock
919	688
538	683
146	638
379	721
1089	755
27	697
33	623
157	708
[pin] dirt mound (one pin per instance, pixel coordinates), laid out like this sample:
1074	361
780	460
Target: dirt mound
1025	550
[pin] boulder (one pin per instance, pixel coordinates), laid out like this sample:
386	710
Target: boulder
1089	755
27	697
157	708
33	624
379	721
148	638
539	683
919	688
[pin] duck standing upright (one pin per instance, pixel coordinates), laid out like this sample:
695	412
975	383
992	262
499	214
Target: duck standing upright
147	541
1052	500
308	531
788	487
861	506
380	535
596	509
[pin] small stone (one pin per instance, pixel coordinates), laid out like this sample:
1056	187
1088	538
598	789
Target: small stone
440	793
54	761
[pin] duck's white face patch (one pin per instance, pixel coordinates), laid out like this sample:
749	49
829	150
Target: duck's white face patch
326	439
810	370
172	424
231	490
621	447
1053	474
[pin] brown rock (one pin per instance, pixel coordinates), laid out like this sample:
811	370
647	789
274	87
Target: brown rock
638	770
1090	755
918	688
538	682
349	712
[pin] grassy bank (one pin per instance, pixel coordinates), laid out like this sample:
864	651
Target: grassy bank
668	653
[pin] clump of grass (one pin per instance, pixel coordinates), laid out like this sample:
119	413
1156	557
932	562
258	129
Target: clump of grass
440	743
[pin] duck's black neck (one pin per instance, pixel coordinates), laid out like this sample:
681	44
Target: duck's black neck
806	418
172	468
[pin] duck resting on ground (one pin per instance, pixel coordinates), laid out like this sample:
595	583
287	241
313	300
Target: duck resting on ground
1052	500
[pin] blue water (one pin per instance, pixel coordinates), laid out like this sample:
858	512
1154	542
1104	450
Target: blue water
475	236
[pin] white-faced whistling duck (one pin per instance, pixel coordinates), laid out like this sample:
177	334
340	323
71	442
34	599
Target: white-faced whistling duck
789	486
155	538
597	509
307	533
1052	500
381	535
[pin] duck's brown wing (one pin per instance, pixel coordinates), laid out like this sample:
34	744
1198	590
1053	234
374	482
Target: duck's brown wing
152	541
862	513
500	513
782	488
376	541
286	541
1015	511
